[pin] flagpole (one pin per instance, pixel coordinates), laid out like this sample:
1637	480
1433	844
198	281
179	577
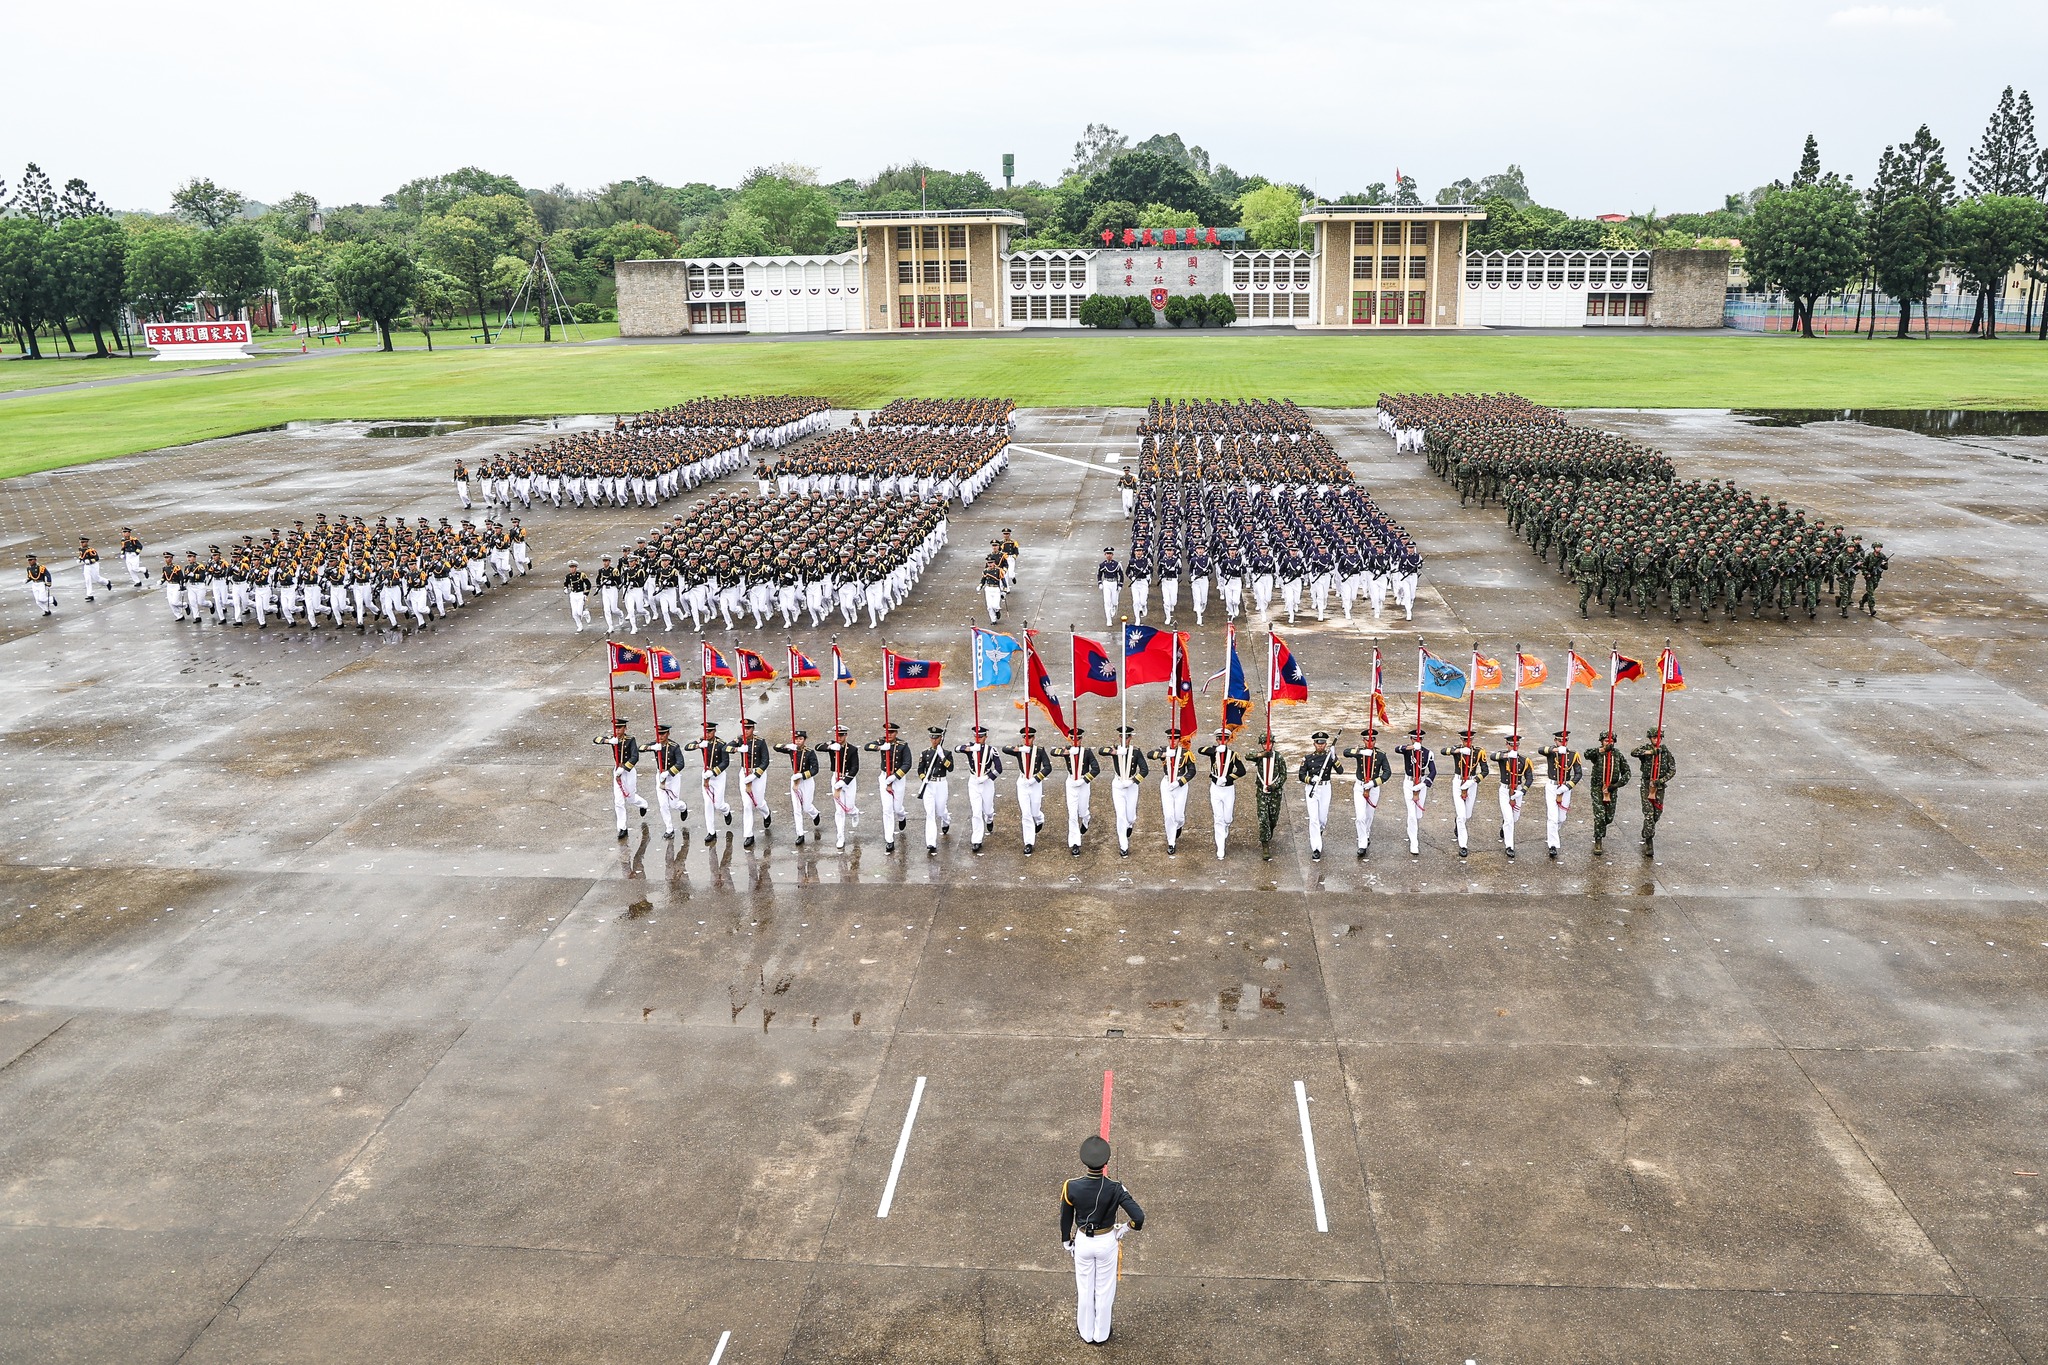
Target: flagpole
1077	681
739	682
1123	666
704	698
1472	688
1372	703
1270	638
1515	725
1663	678
1173	687
885	690
611	686
1030	654
974	671
653	702
1421	650
838	754
1613	662
789	664
1571	658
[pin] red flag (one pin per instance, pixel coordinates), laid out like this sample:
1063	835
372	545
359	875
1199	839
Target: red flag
1667	669
909	675
715	665
666	666
1287	683
1038	687
1627	669
802	669
1184	689
626	659
1148	655
1094	674
753	668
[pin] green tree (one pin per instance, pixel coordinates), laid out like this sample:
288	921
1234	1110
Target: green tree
468	239
1988	236
436	296
233	267
633	242
309	294
1506	185
1808	174
1182	311
163	270
1102	310
2007	160
1405	194
1114	217
93	257
1806	242
1909	204
1138	308
431	195
636	201
1271	216
205	204
1161	216
376	279
1222	310
1149	178
1100	144
734	230
1170	146
26	296
291	217
798	219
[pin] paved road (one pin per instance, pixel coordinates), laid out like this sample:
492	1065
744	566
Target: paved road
334	1024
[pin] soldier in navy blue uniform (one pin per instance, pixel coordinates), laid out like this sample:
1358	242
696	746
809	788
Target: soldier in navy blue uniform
1091	1234
934	787
625	780
1109	576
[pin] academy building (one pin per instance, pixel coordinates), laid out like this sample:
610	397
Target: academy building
1360	268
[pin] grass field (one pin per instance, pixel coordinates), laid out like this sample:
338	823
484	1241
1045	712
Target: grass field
44	431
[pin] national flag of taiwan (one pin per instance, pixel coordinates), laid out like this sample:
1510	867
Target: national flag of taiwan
1287	682
992	654
1038	686
1529	671
1094	674
1183	688
1440	679
1148	655
909	675
663	666
715	665
626	659
1625	669
753	668
840	672
1667	669
1582	672
1487	674
802	669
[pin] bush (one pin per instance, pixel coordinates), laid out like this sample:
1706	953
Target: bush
1182	311
607	315
1102	310
1221	310
1138	308
584	312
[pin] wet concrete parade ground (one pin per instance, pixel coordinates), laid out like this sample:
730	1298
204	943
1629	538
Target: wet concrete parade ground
336	1024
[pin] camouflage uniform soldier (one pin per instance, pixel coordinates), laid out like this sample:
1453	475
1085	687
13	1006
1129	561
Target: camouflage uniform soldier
1874	565
1658	767
1610	775
1848	563
1586	568
1269	777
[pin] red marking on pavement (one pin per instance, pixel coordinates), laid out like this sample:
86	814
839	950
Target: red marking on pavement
1108	1081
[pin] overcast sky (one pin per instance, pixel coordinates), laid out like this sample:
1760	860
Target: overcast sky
1608	105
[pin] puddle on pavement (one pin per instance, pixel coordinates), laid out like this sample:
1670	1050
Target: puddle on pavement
1955	422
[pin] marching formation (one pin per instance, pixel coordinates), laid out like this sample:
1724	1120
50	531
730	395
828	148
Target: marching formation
912	462
978	415
917	782
647	458
734	557
1626	531
1243	497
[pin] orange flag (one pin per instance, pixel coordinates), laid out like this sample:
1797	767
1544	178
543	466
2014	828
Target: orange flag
1582	673
1531	670
1486	672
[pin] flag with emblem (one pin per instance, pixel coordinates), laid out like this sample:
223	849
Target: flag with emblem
992	654
753	668
840	672
1439	677
909	675
1582	673
1237	693
663	666
1094	673
1148	655
715	665
802	669
626	659
1286	683
1667	669
1625	669
1183	686
1038	688
1487	674
1529	671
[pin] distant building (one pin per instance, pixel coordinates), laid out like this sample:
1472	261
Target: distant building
1388	266
942	269
1683	289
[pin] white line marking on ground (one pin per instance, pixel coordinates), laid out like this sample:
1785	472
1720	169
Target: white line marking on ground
1308	1145
1048	455
902	1146
723	1337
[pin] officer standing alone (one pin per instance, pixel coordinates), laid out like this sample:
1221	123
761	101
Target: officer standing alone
1090	1233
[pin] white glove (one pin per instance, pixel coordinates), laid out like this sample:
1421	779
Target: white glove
1068	1247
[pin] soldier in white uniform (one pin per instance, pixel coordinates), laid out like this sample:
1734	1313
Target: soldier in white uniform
844	759
1034	765
1225	767
1561	772
1468	765
1517	774
714	758
1370	773
668	782
1126	785
934	789
1418	772
753	751
984	765
1318	771
1081	772
892	769
625	780
1176	771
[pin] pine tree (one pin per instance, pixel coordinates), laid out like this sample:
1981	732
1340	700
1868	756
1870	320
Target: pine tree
1909	206
1809	165
2007	159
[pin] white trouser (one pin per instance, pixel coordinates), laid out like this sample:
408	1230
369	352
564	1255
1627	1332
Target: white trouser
992	598
892	806
1318	802
1141	597
1510	811
90	572
714	800
753	802
1095	1266
1130	496
1123	794
1365	804
41	593
133	563
1201	587
845	808
1415	795
1173	808
1078	792
803	793
668	795
1464	796
1110	595
936	817
981	803
1030	807
1222	810
578	613
608	596
626	793
1557	804
174	594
